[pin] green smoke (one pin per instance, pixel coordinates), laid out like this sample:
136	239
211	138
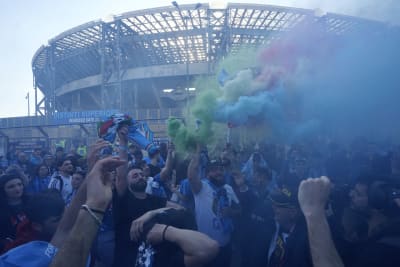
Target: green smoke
187	133
197	127
183	139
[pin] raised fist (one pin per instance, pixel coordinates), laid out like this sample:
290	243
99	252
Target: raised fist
313	195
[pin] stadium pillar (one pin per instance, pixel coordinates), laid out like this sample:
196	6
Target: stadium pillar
218	31
119	73
50	97
187	54
102	65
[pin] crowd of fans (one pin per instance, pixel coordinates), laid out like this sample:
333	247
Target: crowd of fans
256	206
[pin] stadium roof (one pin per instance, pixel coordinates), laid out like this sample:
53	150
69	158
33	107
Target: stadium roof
192	33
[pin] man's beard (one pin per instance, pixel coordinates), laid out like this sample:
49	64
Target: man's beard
139	186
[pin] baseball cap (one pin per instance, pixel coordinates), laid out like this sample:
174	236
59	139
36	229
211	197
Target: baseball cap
215	163
153	151
284	197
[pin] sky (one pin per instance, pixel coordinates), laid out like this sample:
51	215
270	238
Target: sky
27	25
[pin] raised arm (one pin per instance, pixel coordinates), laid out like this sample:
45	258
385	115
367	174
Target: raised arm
94	152
167	170
71	213
313	195
198	249
121	183
193	172
76	248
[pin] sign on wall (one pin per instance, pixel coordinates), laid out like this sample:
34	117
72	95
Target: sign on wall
77	117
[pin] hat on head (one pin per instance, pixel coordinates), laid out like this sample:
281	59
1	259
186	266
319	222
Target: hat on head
284	197
59	148
153	151
215	163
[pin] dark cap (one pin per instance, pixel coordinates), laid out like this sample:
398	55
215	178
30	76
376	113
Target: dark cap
215	163
153	151
59	148
284	197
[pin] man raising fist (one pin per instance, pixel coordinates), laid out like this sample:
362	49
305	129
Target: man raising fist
313	196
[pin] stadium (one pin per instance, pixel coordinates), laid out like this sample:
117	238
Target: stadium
144	62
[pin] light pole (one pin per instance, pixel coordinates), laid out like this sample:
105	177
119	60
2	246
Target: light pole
29	104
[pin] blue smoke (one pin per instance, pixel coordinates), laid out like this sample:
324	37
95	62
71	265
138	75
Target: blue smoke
343	86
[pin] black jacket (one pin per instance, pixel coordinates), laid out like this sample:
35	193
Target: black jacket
297	247
381	250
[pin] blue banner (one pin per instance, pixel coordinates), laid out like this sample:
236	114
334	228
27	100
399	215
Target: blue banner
91	116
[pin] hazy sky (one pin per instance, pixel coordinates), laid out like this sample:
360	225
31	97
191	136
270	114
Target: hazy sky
26	25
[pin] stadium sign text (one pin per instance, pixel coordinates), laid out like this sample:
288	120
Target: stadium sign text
77	117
